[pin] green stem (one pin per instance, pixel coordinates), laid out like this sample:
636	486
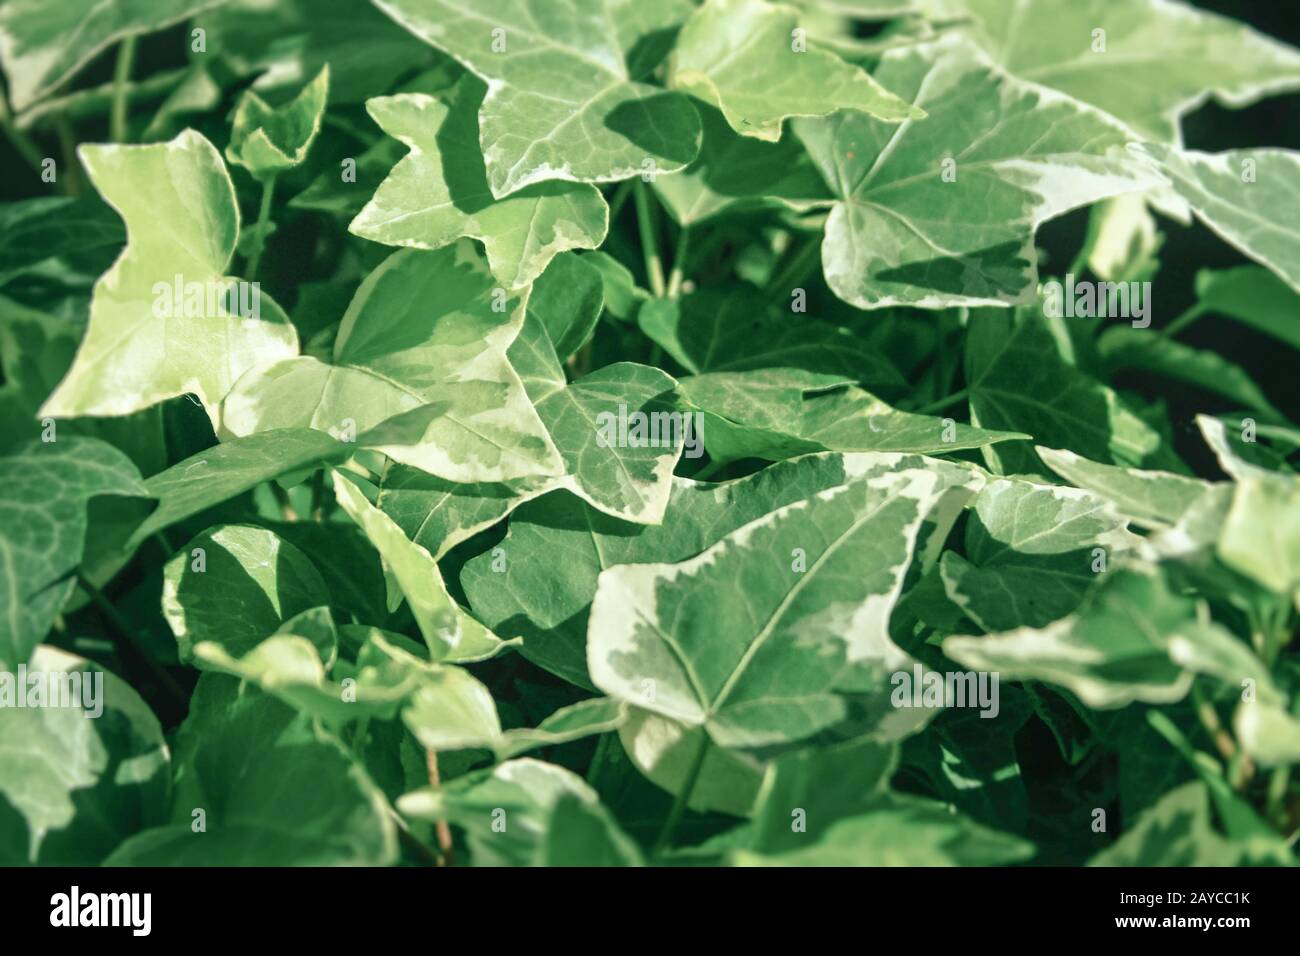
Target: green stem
617	200
679	264
1278	784
599	759
72	166
683	797
121	82
709	470
942	403
25	145
654	268
263	217
1184	320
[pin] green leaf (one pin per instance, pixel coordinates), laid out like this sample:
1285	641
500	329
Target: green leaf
439	192
233	586
450	633
503	811
1253	296
759	666
781	413
1146	62
1017	380
735	329
579	833
273	787
901	832
943	211
231	468
1248	197
1261	533
149	340
1152	499
525	590
1132	639
45	489
419	372
734	172
741	56
76	237
42	46
567	299
563	102
83	773
1032	550
267	140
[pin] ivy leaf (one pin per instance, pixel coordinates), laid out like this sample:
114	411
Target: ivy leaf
231	468
567	299
1031	553
450	633
1146	62
1248	197
1176	831
274	789
44	492
80	780
439	192
739	56
902	831
182	223
1254	297
1152	499
760	665
41	46
579	833
1261	533
233	586
942	212
563	101
1128	641
781	413
267	140
1017	380
504	810
418	372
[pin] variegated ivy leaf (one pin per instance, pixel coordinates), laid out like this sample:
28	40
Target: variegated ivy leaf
781	413
734	172
42	45
419	372
1018	379
1032	551
746	57
942	211
439	192
1261	532
450	633
1132	639
1145	62
267	140
523	583
760	664
44	491
165	320
1254	296
565	98
1151	499
1249	197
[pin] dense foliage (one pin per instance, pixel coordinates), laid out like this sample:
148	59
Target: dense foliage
647	431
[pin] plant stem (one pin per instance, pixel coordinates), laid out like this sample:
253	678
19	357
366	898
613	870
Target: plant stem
1209	718
709	470
1278	784
683	797
654	268
679	264
1184	320
72	166
619	198
287	511
441	828
599	759
121	80
25	145
127	632
942	403
259	239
